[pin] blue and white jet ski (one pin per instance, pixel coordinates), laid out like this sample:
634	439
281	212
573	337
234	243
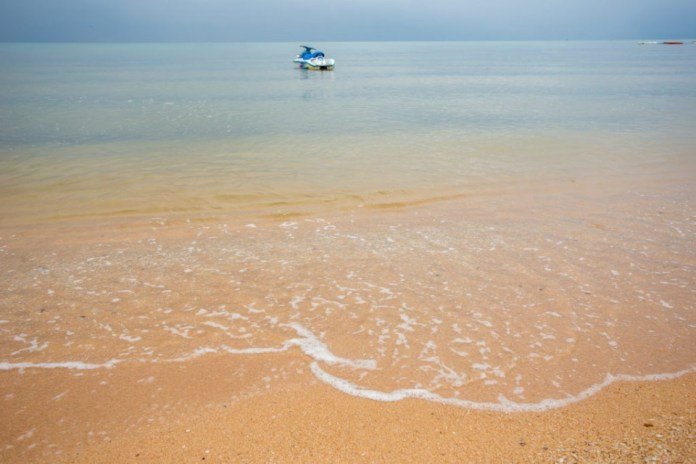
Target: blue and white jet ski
314	59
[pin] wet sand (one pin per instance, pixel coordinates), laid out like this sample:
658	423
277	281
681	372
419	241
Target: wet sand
307	421
633	422
503	326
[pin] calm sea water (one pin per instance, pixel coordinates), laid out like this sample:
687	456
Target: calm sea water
527	292
94	129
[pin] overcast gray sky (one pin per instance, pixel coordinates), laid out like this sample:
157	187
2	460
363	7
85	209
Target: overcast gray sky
298	20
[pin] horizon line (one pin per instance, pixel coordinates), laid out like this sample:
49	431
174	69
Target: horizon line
669	38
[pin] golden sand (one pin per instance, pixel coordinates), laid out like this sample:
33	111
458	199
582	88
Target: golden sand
628	423
306	421
179	339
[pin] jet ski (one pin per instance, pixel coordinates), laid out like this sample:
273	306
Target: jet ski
314	59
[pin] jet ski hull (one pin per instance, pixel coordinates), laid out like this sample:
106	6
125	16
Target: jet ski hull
324	65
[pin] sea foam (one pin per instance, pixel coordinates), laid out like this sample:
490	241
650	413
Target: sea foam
503	404
314	348
75	365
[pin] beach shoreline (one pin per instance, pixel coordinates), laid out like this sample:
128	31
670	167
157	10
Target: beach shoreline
156	339
307	421
629	422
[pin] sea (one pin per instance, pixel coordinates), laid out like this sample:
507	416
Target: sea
133	129
499	226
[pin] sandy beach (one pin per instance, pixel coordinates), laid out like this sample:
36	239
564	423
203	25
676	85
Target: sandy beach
172	340
209	255
306	421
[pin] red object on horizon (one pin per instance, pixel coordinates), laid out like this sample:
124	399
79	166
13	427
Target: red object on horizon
673	42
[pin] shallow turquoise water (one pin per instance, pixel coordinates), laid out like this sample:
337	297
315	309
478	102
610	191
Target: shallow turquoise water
129	127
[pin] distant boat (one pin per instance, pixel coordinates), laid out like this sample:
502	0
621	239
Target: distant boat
666	42
314	59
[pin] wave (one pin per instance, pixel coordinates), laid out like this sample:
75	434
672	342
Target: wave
314	348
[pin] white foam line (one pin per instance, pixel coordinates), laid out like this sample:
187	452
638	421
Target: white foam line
230	350
503	404
317	350
197	353
308	343
76	365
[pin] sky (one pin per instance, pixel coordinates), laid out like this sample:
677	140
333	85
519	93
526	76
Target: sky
336	20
